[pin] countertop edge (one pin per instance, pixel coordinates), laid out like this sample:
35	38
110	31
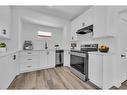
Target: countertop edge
11	52
44	50
101	53
7	53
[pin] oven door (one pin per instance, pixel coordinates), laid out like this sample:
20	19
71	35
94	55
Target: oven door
79	61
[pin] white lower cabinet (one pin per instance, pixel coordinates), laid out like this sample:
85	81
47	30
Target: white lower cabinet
67	58
35	60
8	70
24	61
29	61
95	69
51	59
101	70
43	59
47	59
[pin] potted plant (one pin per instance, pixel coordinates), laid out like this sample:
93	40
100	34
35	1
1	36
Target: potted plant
2	47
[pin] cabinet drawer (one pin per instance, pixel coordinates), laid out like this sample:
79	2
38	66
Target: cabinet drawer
27	53
29	58
28	66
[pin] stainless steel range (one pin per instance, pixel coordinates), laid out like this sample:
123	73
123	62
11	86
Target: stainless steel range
79	60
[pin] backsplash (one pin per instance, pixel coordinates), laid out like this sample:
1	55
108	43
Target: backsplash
88	39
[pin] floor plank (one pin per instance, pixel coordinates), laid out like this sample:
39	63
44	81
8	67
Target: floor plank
122	87
54	78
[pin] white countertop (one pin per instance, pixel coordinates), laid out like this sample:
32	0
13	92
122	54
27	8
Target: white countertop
39	50
97	52
46	50
2	54
11	52
101	53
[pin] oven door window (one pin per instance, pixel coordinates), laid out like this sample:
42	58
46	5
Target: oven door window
78	63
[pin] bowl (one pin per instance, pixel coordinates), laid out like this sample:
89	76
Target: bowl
104	50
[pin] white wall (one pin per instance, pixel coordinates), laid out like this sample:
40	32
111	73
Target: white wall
121	48
12	44
42	19
29	32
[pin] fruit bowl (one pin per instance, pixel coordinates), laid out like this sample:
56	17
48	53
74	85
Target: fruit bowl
104	48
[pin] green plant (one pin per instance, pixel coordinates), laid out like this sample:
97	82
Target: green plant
2	45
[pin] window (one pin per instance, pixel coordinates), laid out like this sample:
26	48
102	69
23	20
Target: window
44	34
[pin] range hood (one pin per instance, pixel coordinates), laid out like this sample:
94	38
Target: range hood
85	30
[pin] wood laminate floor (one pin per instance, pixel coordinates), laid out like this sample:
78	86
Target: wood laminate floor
54	78
122	87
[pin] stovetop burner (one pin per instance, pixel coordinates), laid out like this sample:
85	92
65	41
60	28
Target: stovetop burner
89	47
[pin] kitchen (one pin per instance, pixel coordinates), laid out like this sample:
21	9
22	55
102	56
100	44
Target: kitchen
32	38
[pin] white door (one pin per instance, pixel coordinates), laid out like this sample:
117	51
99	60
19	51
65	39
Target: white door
123	47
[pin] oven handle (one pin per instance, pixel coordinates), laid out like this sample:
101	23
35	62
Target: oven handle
79	54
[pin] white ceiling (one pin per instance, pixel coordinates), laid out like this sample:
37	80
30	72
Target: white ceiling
65	12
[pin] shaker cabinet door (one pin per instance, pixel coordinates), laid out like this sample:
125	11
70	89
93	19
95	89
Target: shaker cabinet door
96	69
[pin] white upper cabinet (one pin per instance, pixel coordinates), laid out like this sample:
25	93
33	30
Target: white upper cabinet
86	19
5	22
104	20
73	31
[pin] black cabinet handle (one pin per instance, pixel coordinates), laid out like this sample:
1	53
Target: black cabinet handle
4	31
122	55
14	57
